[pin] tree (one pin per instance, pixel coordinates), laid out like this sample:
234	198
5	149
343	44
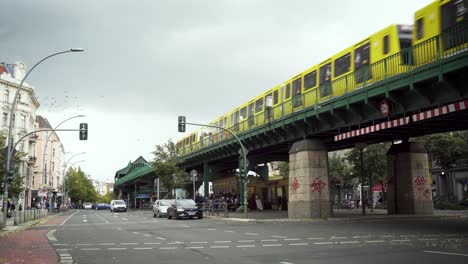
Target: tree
167	169
16	184
374	162
339	173
79	187
448	150
106	198
283	167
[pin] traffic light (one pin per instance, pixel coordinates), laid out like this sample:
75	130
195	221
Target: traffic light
83	131
181	123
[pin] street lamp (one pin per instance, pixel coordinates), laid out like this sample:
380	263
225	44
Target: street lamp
10	129
194	175
361	146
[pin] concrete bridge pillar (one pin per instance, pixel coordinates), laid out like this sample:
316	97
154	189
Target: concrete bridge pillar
409	189
309	189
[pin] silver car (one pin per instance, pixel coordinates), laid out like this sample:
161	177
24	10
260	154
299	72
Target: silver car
160	207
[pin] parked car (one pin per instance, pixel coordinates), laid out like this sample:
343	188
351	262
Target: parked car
160	207
184	208
102	206
118	205
87	206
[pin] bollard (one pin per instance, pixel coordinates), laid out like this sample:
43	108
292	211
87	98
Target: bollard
20	217
34	214
1	219
26	215
15	217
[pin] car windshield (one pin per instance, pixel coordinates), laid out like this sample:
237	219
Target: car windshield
119	202
185	203
164	203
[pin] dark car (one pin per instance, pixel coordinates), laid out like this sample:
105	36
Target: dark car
102	206
184	208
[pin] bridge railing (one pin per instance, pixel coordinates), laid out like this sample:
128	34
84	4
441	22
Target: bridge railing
421	57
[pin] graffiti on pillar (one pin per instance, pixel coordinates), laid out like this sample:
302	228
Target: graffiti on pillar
296	184
420	182
427	193
317	185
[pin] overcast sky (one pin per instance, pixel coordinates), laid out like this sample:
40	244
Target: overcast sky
146	62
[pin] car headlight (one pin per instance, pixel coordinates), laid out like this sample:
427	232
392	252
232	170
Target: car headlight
180	210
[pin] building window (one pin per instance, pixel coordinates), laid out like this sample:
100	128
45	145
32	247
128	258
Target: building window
53	152
53	166
5	119
23	121
6	96
18	99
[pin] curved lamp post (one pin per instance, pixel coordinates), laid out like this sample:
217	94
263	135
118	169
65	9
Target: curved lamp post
10	132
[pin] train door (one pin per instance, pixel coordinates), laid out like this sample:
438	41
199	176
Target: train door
310	94
251	110
287	102
297	94
243	120
362	72
325	88
268	113
277	106
259	115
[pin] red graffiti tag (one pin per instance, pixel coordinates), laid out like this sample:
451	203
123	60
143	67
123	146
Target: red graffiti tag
296	184
427	193
420	182
317	185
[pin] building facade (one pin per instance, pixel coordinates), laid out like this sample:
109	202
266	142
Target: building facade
24	122
48	171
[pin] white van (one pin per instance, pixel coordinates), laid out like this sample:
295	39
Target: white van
118	205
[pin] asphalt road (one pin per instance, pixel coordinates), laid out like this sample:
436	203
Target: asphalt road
90	236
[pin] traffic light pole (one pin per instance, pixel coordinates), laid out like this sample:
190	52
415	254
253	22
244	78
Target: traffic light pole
243	172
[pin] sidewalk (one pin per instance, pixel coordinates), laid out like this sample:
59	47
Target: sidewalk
338	215
11	228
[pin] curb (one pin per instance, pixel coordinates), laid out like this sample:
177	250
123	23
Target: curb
341	219
27	225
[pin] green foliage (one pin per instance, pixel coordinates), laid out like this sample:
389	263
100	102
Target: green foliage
16	184
79	187
106	198
166	167
283	167
374	162
448	150
339	172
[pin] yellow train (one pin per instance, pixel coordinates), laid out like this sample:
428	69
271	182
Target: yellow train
439	30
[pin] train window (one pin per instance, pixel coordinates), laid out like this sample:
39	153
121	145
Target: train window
225	122
251	109
297	86
275	97
310	80
343	65
236	117
386	45
420	28
259	105
243	113
288	91
325	73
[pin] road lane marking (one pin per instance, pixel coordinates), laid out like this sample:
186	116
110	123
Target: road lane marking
227	241
333	237
286	262
245	241
151	243
324	243
106	244
229	231
269	240
280	236
107	222
252	234
408	236
194	247
361	236
447	253
219	246
386	236
84	244
315	238
60	244
199	242
374	241
245	246
291	239
68	218
117	249
136	233
161	238
272	245
146	235
400	240
64	255
349	242
84	220
175	243
90	249
167	247
63	249
128	243
299	244
212	229
124	219
431	235
142	248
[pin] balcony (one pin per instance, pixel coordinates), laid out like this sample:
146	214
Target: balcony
31	160
33	138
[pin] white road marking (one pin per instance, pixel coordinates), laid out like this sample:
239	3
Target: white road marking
175	243
431	235
63	249
291	239
349	242
64	255
269	240
246	246
361	236
84	220
142	248
280	236
129	243
400	240
146	235
333	237
427	239
228	231
299	244
67	261
272	245
185	226
211	229
152	243
386	236
161	238
323	243
315	238
68	218
107	222
119	228
374	241
136	233
106	244
90	249
219	246
83	244
227	241
124	219
117	249
60	244
286	262
252	234
167	247
408	235
199	242
245	241
447	253
194	247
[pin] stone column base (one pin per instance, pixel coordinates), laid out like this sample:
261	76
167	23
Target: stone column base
309	209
